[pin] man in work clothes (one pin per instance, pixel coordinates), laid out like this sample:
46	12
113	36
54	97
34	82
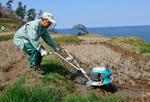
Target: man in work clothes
26	38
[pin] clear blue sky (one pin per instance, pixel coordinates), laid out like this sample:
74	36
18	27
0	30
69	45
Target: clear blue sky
93	13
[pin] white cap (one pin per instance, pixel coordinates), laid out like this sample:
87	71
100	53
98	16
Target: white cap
49	16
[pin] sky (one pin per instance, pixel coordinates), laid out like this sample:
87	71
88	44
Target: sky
93	13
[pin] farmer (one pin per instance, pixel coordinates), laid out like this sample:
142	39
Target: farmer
26	38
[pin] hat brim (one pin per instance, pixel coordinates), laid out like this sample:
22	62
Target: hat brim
52	21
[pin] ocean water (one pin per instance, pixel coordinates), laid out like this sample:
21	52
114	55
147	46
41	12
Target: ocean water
138	31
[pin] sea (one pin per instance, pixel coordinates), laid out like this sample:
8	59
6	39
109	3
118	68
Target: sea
137	31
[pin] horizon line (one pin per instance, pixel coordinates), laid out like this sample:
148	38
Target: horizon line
109	26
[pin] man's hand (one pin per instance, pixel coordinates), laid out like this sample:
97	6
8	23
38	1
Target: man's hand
43	52
58	49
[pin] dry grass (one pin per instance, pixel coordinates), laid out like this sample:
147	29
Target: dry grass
7	33
9	66
93	39
125	70
94	55
9	55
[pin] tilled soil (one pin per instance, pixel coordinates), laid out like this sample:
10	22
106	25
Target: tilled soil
14	73
131	72
13	63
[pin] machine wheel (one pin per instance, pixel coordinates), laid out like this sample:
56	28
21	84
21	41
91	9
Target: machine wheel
111	88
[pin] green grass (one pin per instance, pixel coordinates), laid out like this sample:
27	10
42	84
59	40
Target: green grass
144	48
65	40
61	83
53	64
132	41
94	97
128	40
49	91
8	24
54	86
19	93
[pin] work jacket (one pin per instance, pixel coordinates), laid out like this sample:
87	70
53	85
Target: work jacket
30	33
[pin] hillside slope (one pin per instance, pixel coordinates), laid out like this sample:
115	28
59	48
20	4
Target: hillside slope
130	69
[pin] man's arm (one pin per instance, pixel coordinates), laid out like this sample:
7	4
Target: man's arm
47	38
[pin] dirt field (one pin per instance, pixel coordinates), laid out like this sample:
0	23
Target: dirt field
13	63
131	71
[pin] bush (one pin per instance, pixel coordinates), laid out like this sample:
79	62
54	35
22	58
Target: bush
68	40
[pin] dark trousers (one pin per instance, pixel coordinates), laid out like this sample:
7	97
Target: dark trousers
34	56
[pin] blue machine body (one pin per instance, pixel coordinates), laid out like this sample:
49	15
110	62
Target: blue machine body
102	72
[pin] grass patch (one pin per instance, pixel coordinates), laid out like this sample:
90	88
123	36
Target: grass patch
94	97
6	37
57	74
135	41
132	43
8	24
56	81
90	35
65	40
144	48
52	87
19	93
54	64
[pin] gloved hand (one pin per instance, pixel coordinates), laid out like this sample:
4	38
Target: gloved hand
43	52
58	49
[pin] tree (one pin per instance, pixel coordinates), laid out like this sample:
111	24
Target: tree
52	29
9	4
31	14
40	14
21	10
0	4
81	28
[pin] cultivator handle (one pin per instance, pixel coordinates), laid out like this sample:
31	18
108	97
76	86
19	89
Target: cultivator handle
70	59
